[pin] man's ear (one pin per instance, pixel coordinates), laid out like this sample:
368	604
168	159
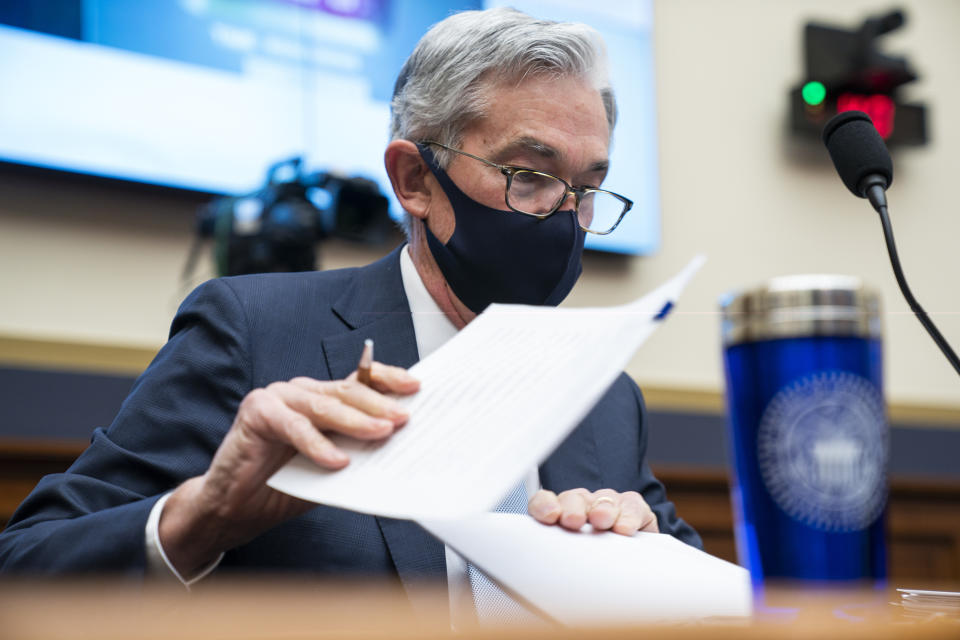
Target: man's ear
408	175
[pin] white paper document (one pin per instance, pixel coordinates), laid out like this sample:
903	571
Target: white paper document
494	402
589	578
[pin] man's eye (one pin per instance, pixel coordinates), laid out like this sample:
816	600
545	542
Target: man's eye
593	182
528	178
522	176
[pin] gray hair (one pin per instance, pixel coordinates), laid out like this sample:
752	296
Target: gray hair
442	86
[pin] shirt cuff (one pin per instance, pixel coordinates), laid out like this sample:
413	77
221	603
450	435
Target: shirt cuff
158	565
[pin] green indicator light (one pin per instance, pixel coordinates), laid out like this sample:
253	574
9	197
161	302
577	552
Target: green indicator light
813	93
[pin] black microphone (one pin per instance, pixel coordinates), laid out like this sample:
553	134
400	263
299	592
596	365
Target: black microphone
860	156
863	162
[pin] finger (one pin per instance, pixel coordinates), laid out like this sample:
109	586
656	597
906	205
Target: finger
314	445
573	506
327	411
604	509
544	506
290	427
358	396
650	522
635	515
386	378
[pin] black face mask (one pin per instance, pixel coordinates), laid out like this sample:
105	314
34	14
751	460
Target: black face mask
505	256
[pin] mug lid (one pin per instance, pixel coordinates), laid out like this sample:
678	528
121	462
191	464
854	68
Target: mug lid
801	306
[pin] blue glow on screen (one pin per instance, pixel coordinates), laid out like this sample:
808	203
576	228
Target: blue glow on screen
206	94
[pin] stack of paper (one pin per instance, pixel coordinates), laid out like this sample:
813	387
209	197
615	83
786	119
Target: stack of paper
598	578
920	604
494	402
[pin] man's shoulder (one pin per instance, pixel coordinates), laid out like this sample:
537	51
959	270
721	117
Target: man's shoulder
311	301
267	286
271	289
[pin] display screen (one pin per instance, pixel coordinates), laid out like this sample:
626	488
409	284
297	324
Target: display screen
207	94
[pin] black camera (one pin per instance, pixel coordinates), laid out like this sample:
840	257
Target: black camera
278	227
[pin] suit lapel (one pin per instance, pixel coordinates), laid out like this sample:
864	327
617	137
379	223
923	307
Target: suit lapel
375	306
393	339
419	557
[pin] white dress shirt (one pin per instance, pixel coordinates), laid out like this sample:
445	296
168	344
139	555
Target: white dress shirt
432	329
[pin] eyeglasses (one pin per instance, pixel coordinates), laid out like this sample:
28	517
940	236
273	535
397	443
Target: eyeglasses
539	194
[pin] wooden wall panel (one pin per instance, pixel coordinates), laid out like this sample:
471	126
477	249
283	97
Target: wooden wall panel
923	521
923	515
23	463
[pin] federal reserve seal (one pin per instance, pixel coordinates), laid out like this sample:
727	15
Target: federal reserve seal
822	451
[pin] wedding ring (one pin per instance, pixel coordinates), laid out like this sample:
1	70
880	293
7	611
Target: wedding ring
603	499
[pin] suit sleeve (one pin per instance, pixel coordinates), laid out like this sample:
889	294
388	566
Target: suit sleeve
653	492
92	517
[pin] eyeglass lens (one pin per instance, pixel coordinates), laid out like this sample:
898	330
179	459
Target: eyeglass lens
538	194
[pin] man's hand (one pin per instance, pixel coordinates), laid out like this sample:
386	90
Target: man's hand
623	513
231	504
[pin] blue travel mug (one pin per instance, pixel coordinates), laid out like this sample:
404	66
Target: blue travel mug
807	429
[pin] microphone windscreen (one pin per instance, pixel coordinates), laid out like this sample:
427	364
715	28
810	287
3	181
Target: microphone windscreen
857	150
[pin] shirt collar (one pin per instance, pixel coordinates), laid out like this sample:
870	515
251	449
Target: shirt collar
431	326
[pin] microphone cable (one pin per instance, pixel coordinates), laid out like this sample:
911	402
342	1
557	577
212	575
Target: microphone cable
918	310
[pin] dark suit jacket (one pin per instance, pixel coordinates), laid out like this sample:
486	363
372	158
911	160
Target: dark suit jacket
233	335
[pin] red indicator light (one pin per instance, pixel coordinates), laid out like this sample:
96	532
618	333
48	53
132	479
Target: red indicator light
879	107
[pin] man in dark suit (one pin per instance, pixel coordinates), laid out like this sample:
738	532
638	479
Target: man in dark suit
501	128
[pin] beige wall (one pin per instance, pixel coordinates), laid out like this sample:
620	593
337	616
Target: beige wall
90	263
759	205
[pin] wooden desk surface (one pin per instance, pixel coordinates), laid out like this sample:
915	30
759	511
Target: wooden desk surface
264	608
